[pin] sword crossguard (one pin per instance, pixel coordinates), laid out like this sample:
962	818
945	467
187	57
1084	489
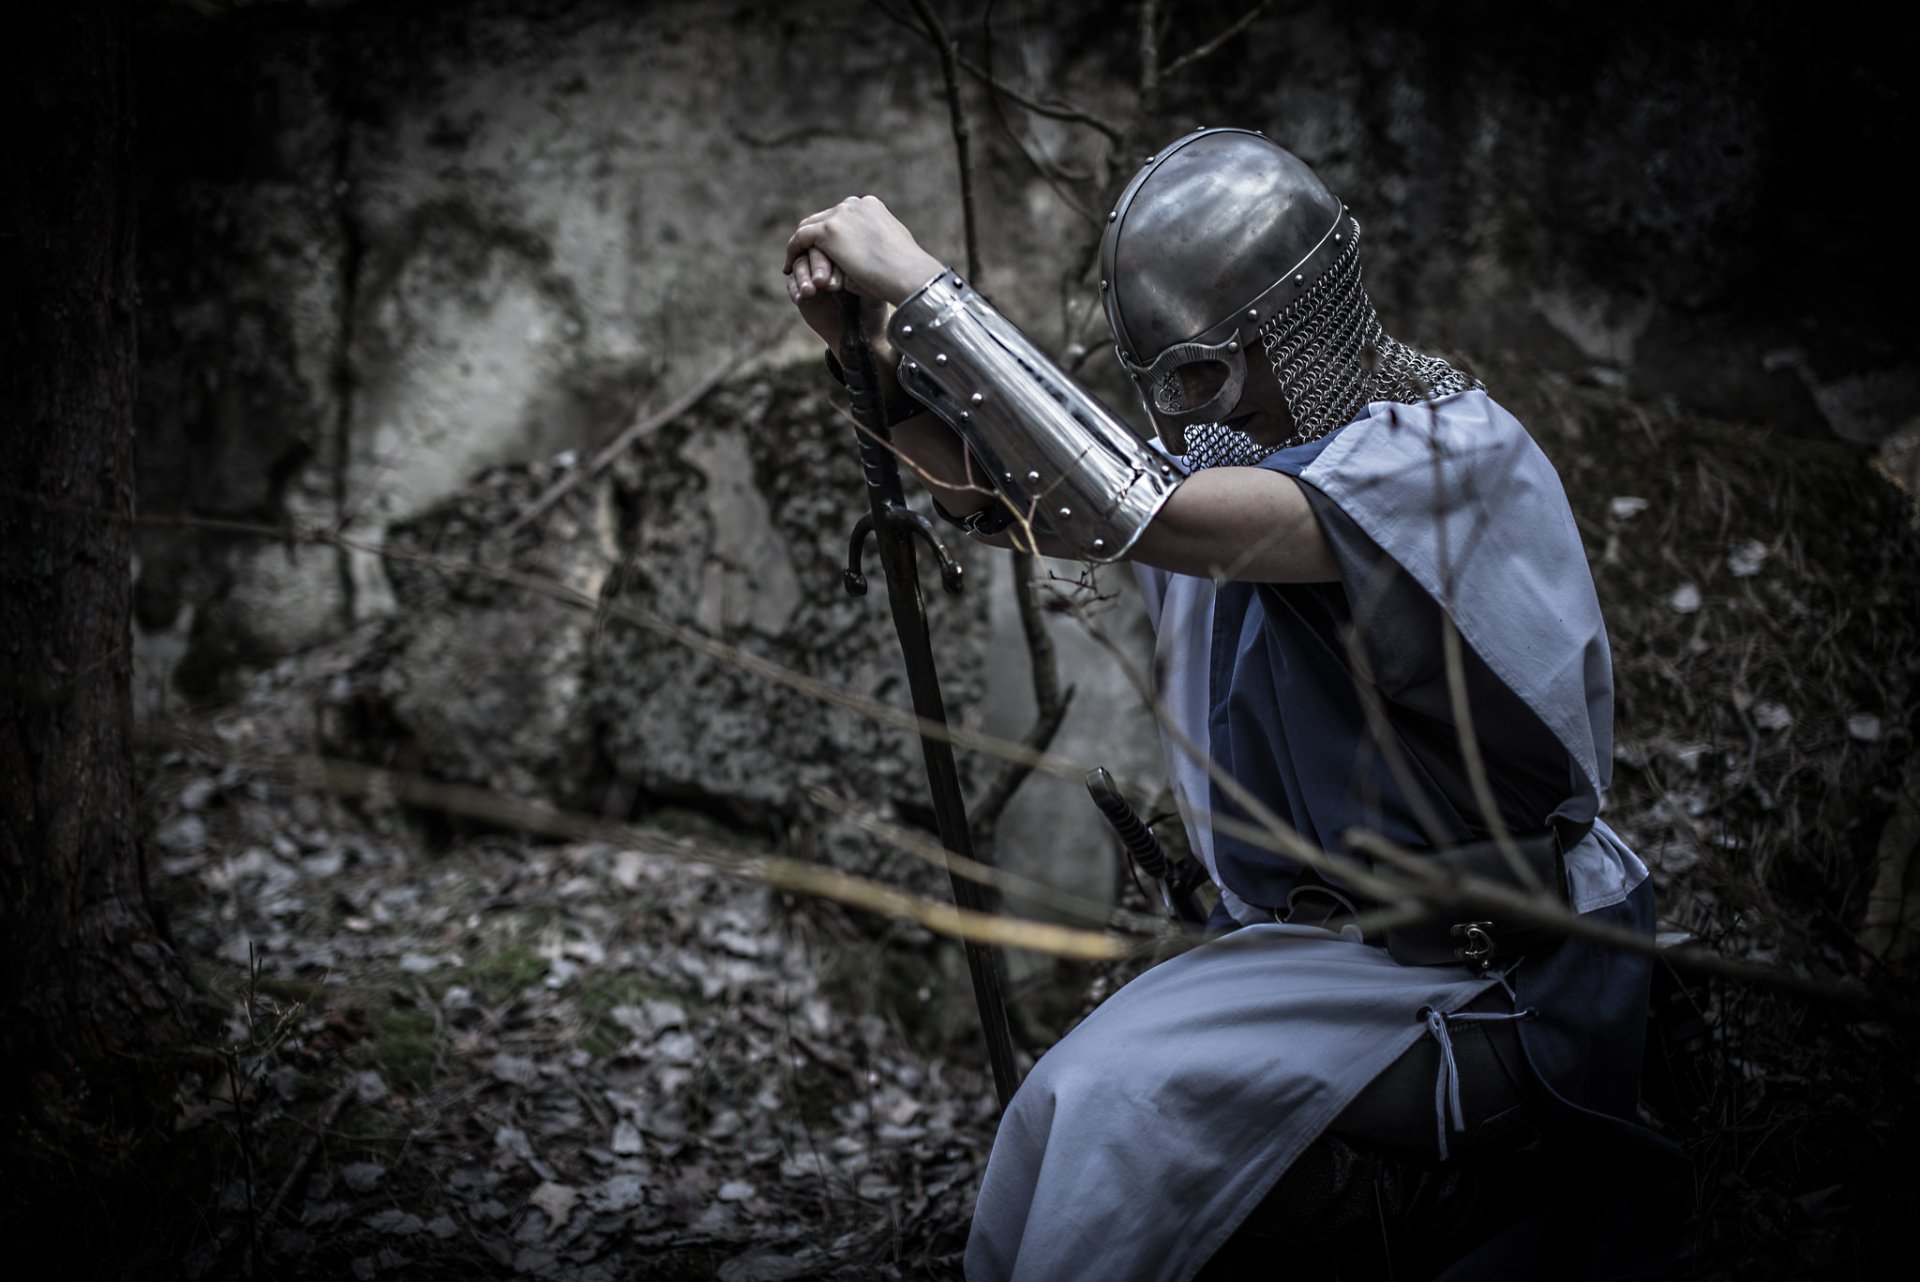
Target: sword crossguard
856	547
900	517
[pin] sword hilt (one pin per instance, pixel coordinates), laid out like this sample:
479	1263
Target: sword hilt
1176	881
877	462
1134	835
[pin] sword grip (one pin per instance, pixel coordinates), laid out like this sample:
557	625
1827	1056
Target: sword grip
1134	835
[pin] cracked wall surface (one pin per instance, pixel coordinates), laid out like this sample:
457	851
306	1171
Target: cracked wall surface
386	247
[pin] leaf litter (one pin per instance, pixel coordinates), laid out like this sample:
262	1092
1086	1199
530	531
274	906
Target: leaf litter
567	1062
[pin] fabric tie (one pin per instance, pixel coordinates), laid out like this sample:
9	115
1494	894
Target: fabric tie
1447	1113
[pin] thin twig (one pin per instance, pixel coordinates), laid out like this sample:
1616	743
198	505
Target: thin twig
993	802
329	1114
1429	884
1212	46
1050	701
921	847
1457	702
644	426
1051	110
1050	171
1050	707
957	118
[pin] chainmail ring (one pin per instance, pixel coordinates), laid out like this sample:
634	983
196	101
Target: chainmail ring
1331	357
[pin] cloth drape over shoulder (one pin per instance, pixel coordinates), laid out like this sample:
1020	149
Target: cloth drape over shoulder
1150	1131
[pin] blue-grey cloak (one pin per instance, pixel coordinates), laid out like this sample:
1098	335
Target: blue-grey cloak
1144	1138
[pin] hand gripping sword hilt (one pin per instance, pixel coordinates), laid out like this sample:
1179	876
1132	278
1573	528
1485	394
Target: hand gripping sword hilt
877	462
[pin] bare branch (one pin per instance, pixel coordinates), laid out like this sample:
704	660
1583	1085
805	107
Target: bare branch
1213	46
957	117
1050	170
645	426
1051	110
349	778
1412	884
921	847
1050	707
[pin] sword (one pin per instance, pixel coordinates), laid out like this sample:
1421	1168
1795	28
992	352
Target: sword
894	527
1176	881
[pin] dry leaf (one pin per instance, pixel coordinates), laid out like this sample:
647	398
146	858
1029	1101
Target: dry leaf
557	1200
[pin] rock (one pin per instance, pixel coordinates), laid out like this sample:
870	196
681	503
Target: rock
737	539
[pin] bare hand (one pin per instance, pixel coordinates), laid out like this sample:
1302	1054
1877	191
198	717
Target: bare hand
816	287
877	256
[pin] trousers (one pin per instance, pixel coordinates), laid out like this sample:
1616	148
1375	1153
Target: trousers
1371	1197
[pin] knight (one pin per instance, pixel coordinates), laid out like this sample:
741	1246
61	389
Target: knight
1376	640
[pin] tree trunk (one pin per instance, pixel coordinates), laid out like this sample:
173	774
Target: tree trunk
86	978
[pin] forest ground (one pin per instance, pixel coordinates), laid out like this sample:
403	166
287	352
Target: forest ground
433	1050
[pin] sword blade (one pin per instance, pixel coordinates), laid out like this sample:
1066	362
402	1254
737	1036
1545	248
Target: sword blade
900	564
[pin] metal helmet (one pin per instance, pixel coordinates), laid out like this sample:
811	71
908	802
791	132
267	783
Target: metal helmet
1226	241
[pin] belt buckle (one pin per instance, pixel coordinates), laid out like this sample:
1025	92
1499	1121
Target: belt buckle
1480	943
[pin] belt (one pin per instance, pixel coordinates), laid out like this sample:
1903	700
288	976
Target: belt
1478	940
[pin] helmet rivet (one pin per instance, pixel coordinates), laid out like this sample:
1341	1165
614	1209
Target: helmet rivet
940	358
977	398
1099	545
1113	215
1149	160
1233	347
1009	476
1033	478
1339	238
1103	286
965	416
913	367
1066	513
958	283
1253	313
906	331
1299	278
1166	469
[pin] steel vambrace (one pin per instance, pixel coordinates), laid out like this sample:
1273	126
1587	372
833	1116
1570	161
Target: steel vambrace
1062	462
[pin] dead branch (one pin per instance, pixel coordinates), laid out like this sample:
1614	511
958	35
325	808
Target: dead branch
1425	885
296	1172
957	119
1213	46
921	847
645	426
1050	707
1051	110
348	778
1050	171
1050	701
